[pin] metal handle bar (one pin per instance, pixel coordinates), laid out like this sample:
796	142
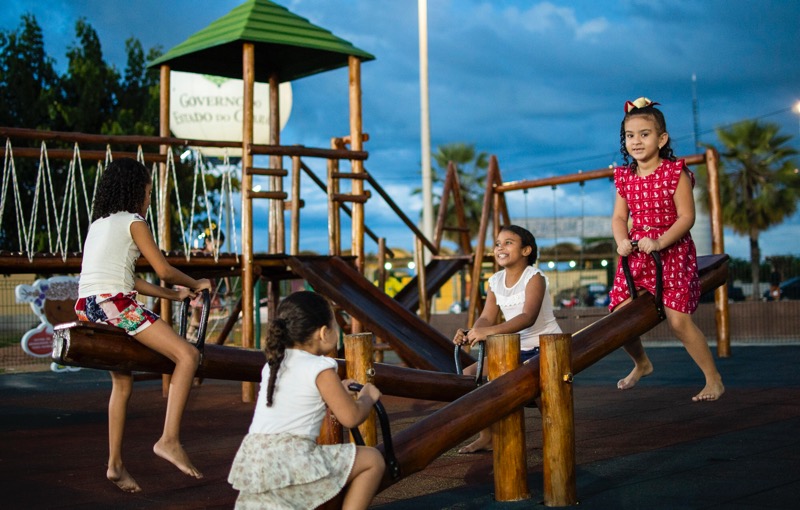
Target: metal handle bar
659	297
388	449
481	358
201	329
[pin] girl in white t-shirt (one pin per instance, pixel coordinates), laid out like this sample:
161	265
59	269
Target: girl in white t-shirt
107	294
521	292
279	464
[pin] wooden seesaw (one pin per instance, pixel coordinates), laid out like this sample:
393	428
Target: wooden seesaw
471	409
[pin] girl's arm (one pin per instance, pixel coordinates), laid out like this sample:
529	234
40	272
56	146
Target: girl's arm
534	295
619	226
487	318
350	413
148	289
147	246
684	204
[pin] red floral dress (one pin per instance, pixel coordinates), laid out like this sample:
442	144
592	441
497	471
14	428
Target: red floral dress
652	207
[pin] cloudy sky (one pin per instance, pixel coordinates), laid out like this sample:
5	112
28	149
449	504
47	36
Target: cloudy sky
539	84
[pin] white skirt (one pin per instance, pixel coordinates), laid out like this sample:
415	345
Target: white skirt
285	471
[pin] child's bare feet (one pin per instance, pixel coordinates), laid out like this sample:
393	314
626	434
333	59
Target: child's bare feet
174	453
122	479
637	373
482	444
712	391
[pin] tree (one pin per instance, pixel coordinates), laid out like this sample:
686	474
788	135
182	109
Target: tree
759	182
471	168
28	80
91	97
90	87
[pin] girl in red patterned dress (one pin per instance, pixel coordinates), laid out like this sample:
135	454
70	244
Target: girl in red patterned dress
655	191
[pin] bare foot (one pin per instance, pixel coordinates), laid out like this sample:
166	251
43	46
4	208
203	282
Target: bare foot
123	479
712	391
482	444
174	453
637	373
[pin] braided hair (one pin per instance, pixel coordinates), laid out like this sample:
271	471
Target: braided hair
527	240
297	318
661	124
121	188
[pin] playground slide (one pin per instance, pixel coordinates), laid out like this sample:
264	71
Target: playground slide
478	409
437	272
417	343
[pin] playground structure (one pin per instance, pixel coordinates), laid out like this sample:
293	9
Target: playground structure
427	353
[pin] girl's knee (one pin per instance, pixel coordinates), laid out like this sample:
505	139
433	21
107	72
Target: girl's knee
370	458
188	354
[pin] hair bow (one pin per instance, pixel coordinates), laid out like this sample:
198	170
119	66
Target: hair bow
639	103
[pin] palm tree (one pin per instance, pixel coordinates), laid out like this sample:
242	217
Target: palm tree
471	167
759	182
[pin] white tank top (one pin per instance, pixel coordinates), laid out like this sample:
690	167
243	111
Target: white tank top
109	256
511	300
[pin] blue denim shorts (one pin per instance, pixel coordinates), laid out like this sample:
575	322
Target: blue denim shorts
526	355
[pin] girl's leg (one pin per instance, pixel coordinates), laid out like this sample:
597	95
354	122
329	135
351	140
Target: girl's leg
364	478
162	338
121	388
484	441
642	367
696	345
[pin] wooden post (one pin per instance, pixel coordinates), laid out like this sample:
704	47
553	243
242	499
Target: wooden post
163	214
358	360
294	237
334	216
424	299
356	144
558	445
248	72
277	229
721	311
508	434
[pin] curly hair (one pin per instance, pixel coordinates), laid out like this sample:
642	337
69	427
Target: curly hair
121	188
527	240
297	318
661	124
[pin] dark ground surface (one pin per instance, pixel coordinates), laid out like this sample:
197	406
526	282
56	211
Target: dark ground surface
649	447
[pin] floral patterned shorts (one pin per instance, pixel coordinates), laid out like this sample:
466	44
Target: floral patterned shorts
120	310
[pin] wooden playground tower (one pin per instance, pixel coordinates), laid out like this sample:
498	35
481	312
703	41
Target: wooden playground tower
258	41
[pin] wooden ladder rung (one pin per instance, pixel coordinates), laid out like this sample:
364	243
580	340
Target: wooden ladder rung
349	175
288	205
346	139
272	195
277	172
361	199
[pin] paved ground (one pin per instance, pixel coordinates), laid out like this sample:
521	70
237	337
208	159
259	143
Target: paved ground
649	447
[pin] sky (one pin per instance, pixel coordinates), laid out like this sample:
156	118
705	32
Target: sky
541	85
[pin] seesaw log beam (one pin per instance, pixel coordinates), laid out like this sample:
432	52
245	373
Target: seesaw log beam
478	409
103	347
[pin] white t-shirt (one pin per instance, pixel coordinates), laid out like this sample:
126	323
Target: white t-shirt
109	256
511	300
297	407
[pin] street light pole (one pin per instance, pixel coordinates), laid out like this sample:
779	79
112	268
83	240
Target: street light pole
425	124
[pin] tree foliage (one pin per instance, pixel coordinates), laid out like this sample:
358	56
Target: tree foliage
759	182
91	96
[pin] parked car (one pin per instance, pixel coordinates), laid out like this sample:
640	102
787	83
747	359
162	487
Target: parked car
734	294
790	289
593	294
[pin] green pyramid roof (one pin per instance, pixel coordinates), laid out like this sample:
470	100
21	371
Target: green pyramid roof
284	42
